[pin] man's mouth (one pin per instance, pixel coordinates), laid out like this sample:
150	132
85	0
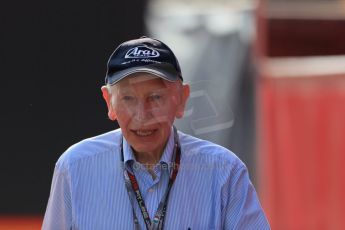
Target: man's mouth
144	133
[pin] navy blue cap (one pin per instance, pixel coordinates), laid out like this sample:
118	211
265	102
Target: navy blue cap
145	55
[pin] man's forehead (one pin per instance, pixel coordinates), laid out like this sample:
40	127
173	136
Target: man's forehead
142	79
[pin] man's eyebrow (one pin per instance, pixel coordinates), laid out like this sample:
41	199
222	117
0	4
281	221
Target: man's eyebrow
163	89
123	90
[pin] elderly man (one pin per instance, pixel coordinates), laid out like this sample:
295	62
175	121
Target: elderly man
148	175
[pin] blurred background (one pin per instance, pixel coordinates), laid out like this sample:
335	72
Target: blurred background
267	81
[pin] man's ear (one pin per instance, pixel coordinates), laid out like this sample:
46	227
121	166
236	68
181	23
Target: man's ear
107	97
184	98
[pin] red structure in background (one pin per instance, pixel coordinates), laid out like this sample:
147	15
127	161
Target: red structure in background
301	124
302	152
20	222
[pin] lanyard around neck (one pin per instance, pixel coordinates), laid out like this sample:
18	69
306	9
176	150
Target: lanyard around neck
132	186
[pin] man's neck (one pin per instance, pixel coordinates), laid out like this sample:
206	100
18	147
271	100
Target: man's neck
147	159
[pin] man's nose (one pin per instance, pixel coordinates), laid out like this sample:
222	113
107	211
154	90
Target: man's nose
142	112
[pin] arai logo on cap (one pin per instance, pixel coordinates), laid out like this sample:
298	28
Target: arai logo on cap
141	52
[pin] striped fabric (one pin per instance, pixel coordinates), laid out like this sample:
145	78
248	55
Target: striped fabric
212	189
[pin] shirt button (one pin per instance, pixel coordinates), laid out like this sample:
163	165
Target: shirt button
151	190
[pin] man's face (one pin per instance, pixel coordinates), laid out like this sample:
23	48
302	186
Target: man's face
145	107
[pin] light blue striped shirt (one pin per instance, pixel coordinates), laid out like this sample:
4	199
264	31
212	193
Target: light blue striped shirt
212	189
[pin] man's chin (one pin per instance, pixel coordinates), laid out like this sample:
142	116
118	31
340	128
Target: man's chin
143	150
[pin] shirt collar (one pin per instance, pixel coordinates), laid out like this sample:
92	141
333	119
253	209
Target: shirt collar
166	156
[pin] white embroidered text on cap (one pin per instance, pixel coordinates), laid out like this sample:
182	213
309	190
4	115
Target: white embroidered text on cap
142	52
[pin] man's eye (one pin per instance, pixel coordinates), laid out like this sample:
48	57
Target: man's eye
127	98
155	97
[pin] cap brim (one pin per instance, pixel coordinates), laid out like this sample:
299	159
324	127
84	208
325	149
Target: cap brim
165	71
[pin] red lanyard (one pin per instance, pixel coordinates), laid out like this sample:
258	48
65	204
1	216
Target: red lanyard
132	186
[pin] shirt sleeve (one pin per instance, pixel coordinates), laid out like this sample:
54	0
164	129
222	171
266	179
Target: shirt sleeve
58	215
241	208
